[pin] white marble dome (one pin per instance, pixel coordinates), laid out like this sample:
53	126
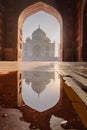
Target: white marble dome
38	34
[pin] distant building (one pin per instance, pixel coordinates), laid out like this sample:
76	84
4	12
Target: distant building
39	47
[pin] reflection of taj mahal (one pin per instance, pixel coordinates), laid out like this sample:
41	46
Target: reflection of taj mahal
40	89
39	47
38	79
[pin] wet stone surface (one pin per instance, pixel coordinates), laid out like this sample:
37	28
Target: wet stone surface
60	116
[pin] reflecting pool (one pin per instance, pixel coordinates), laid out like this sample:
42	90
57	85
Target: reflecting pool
40	89
37	98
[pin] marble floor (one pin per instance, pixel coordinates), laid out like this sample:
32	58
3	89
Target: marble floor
43	96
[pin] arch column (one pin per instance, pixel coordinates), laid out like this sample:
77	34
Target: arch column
81	30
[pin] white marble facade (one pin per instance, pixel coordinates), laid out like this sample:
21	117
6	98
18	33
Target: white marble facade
39	47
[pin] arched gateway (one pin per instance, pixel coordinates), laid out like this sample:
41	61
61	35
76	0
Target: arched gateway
40	6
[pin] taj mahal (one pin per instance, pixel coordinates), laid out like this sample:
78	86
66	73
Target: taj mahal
39	47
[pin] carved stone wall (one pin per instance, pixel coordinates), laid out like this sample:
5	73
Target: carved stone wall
2	35
84	56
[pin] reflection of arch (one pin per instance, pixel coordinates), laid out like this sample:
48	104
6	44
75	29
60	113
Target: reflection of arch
39	81
36	51
30	11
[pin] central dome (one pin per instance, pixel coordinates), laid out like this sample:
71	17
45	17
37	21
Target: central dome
38	34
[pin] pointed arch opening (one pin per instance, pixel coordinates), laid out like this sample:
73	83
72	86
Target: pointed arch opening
29	11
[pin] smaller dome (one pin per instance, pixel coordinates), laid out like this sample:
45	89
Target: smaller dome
27	39
48	40
38	34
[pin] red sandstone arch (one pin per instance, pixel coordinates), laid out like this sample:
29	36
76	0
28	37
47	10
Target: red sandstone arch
40	6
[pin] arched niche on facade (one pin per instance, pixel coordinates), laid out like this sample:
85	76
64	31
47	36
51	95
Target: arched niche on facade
40	6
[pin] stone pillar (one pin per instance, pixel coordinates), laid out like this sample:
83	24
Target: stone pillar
1	31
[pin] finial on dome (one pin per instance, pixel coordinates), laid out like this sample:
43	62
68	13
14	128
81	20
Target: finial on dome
38	95
39	25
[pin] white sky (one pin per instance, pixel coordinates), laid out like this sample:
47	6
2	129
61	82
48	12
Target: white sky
48	24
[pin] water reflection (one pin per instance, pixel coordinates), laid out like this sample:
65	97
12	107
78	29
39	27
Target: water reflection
40	89
37	99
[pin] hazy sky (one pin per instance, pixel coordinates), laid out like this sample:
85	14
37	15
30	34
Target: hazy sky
47	23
